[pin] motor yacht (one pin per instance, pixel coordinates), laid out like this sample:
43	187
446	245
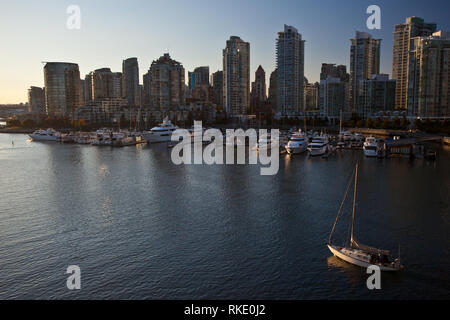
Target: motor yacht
318	145
45	135
370	147
298	143
161	133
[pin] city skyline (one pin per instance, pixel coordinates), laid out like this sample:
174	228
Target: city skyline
327	39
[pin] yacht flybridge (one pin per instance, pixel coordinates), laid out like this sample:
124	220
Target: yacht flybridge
161	133
359	254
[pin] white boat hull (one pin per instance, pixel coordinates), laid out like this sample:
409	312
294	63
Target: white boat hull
370	153
38	137
295	149
317	151
156	138
337	253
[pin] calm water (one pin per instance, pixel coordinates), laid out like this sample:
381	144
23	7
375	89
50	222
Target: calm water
142	228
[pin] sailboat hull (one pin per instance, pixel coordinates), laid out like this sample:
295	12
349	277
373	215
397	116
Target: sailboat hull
337	252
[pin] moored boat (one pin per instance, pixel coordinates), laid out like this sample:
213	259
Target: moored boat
161	133
370	147
45	135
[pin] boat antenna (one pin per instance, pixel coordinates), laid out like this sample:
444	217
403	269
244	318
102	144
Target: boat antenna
354	207
342	206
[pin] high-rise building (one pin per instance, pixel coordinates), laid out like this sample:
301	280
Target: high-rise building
82	91
36	100
88	88
236	76
200	76
404	32
330	69
290	50
130	81
62	88
376	94
146	90
217	83
333	97
429	76
166	81
273	89
364	62
105	84
258	94
311	95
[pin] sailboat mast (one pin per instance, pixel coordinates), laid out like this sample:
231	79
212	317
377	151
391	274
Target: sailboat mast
354	206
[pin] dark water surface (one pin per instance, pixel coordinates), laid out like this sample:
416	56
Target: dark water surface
140	227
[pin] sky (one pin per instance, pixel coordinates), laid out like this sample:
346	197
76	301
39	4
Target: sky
194	32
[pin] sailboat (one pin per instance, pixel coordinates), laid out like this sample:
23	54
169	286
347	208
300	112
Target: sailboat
359	254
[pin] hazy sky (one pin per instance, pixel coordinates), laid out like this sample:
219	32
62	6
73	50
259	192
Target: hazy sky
193	32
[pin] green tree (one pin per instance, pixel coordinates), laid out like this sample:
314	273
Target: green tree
386	124
13	123
369	123
377	123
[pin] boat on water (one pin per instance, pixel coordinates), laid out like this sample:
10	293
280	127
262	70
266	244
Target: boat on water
356	140
318	145
45	135
68	137
128	140
84	138
371	147
356	253
298	143
161	133
345	136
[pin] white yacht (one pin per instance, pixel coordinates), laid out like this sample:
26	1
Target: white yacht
346	135
161	133
45	135
357	140
370	147
298	143
318	145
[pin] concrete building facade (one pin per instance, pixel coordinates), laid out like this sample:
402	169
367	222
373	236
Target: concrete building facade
429	76
130	81
165	82
403	33
290	51
236	76
36	100
364	62
62	88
